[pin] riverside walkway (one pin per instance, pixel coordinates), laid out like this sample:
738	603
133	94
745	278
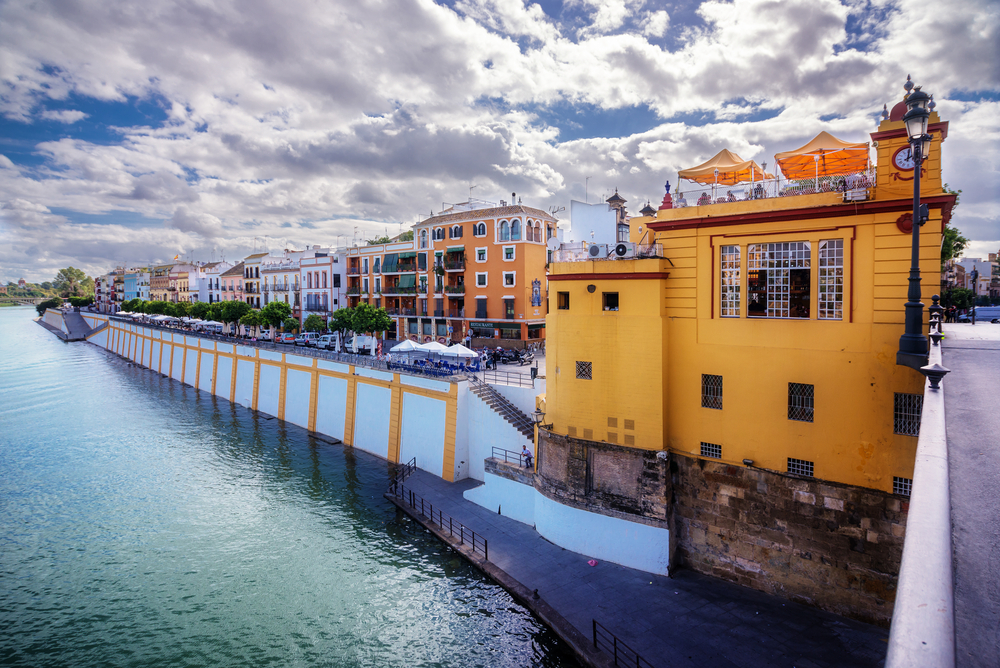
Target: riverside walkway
686	621
972	406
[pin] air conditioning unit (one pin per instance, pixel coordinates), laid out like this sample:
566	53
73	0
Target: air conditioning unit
594	251
624	249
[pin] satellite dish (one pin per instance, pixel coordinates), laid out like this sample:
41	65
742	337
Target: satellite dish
594	250
621	250
553	244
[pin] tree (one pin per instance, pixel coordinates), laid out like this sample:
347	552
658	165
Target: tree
958	297
79	302
55	302
366	318
234	311
378	240
200	310
252	320
45	285
69	282
215	312
405	236
291	325
314	323
155	308
341	321
952	244
182	309
274	314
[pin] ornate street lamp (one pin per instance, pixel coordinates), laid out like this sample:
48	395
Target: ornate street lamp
913	343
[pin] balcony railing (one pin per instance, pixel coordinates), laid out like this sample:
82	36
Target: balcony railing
411	312
456	313
856	186
454	265
396	290
352	271
481	315
454	289
353	291
439	313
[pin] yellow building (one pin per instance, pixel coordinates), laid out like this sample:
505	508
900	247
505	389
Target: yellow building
751	343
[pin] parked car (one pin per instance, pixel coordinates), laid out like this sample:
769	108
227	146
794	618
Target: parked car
286	337
306	339
327	342
365	344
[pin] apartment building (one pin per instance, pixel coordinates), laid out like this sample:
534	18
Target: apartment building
323	282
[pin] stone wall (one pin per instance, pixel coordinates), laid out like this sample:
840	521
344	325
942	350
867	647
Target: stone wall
821	543
604	478
499	467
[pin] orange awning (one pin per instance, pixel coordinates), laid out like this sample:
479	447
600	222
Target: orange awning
732	170
835	157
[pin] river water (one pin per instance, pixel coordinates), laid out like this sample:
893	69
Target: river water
145	523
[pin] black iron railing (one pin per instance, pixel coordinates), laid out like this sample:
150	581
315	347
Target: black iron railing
445	522
623	655
509	456
402	470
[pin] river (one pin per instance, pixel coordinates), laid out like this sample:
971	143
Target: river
145	523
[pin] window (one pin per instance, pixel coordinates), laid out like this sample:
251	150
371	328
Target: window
778	280
480	255
711	450
711	391
584	370
563	301
481	279
508	309
479	229
509	278
610	301
515	229
481	307
456	232
377	267
309	280
504	231
324	279
831	279
508	253
800	402
378	285
906	413
730	262
902	486
336	280
423	238
438	234
423	284
800	467
365	288
422	262
364	266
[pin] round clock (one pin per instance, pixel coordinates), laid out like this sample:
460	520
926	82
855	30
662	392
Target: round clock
903	158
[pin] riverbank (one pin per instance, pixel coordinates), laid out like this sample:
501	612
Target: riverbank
686	621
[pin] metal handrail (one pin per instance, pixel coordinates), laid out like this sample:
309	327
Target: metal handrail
402	470
507	455
444	521
508	378
623	655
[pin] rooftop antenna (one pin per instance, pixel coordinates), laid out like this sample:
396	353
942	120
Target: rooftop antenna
470	193
586	190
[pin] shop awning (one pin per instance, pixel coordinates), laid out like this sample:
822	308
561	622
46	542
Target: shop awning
456	249
407	281
507	325
403	256
825	155
732	170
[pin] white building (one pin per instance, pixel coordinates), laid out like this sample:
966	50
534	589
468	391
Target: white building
324	282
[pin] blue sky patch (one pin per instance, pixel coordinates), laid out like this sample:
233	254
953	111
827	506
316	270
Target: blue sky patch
130	219
586	121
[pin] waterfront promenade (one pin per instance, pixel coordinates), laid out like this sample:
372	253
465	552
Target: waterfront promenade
690	620
972	407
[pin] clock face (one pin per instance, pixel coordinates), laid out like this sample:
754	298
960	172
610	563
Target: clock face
903	158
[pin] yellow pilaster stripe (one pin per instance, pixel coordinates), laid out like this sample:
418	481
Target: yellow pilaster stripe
170	372
256	377
451	417
282	386
232	375
215	366
313	394
184	361
352	391
395	411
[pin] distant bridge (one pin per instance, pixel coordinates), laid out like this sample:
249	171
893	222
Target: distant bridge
24	301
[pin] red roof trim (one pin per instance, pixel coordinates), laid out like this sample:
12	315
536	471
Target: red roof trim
657	275
944	202
941	127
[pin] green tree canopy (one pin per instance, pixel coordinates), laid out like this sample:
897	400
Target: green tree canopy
200	310
215	312
274	314
314	323
81	301
378	240
957	297
69	282
55	302
291	325
366	318
406	236
234	311
252	320
341	322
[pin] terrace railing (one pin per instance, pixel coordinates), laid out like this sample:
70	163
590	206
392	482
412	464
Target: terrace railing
622	654
466	536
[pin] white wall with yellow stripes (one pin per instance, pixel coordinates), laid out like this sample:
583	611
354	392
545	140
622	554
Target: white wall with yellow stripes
395	416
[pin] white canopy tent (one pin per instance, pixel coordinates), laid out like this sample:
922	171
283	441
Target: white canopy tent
458	350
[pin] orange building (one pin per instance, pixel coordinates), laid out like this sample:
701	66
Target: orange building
467	271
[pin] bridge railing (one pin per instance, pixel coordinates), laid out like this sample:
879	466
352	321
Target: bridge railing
922	634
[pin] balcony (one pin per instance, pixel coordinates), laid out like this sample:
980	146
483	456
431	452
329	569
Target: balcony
411	312
456	313
455	265
392	311
353	271
396	290
354	290
481	315
439	313
454	289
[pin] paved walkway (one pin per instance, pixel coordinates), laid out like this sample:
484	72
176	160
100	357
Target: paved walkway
685	621
972	413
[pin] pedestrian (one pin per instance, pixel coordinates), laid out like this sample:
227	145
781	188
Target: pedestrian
526	456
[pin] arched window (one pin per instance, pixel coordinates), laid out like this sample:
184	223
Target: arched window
515	229
504	231
456	232
423	238
529	232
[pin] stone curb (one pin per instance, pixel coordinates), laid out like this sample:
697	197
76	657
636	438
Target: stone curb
581	645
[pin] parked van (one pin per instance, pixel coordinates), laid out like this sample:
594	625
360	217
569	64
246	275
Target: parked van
306	339
983	314
327	342
365	344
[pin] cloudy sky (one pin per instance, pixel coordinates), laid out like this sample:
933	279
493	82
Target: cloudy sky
131	132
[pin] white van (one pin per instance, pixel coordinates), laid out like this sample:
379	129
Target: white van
984	314
365	344
327	342
306	339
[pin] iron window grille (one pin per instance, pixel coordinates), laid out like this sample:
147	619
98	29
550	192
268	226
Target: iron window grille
902	486
584	370
831	279
800	467
906	413
711	391
730	282
711	450
800	402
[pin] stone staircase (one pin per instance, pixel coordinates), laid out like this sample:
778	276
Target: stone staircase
503	407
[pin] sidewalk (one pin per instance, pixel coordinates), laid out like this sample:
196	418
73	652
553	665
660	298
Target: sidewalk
972	409
690	620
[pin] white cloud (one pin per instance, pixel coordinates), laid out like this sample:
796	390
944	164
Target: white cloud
69	116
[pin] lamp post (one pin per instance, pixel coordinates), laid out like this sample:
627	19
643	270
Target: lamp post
975	292
913	344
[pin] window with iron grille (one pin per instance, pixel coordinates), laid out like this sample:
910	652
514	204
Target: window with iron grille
711	391
901	486
800	467
711	450
778	280
906	413
800	402
831	279
584	370
730	282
